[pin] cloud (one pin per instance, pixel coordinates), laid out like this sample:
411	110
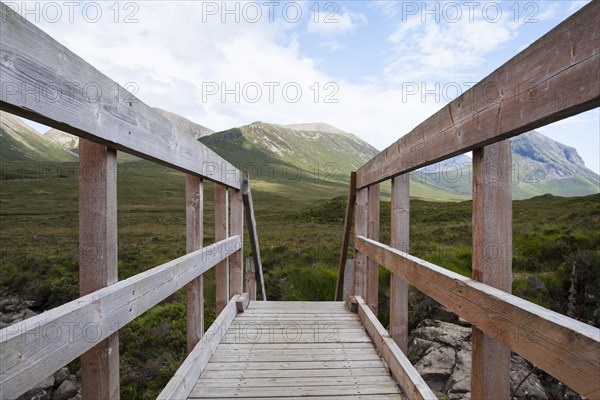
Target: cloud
335	24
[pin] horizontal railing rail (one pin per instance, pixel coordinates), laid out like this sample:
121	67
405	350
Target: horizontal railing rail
554	78
32	349
565	348
45	82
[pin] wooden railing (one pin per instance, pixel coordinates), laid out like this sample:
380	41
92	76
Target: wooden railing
107	118
556	77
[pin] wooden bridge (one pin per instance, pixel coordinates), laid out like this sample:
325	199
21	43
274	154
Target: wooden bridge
336	350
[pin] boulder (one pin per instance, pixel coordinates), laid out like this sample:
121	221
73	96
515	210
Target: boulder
65	391
60	376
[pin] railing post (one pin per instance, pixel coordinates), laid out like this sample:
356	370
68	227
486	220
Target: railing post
98	259
221	232
236	260
194	211
400	235
492	260
250	278
341	282
360	229
373	233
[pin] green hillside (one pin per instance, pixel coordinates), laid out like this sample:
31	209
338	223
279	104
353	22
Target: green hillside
19	142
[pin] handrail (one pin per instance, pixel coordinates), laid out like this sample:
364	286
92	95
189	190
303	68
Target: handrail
339	288
524	94
49	341
567	349
252	233
78	99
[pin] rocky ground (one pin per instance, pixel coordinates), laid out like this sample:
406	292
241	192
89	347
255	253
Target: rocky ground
440	349
62	385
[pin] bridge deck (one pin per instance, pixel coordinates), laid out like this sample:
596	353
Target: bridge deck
287	350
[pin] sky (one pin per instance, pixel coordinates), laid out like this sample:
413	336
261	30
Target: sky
373	68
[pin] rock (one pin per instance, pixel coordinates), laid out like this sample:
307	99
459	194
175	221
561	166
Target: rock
3	325
29	313
531	389
8	301
443	332
17	317
65	391
6	318
460	381
11	308
73	379
436	367
60	376
535	283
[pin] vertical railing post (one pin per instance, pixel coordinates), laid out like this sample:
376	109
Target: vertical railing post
372	295
98	259
492	260
341	281
400	236
236	260
360	229
194	211
221	232
250	279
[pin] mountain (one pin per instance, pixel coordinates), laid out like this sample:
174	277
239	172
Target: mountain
19	142
540	166
65	140
184	124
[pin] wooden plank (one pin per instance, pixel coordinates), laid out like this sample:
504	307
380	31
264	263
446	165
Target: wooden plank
253	234
182	383
354	390
98	259
236	261
492	260
340	285
400	236
278	357
348	279
234	373
194	211
221	232
372	294
28	351
268	381
84	102
563	347
403	371
295	346
360	229
250	279
242	301
554	78
370	397
295	366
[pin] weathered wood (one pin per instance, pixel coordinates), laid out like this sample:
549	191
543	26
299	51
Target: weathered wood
403	371
565	348
348	279
242	301
78	99
301	391
360	229
253	234
340	285
236	261
98	259
400	235
49	341
492	260
194	211
182	383
554	78
372	294
221	232
250	279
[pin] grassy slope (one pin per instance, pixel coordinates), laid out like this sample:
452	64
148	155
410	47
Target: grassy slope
300	232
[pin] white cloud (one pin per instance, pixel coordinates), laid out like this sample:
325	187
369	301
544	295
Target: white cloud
335	24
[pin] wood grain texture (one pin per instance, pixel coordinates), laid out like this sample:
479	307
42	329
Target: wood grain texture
182	383
194	226
45	82
348	279
563	347
98	267
253	233
402	370
250	279
373	205
221	233
554	78
360	229
492	260
242	301
400	236
349	216
236	261
28	350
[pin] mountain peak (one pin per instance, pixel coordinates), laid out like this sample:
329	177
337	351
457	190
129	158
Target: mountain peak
315	127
